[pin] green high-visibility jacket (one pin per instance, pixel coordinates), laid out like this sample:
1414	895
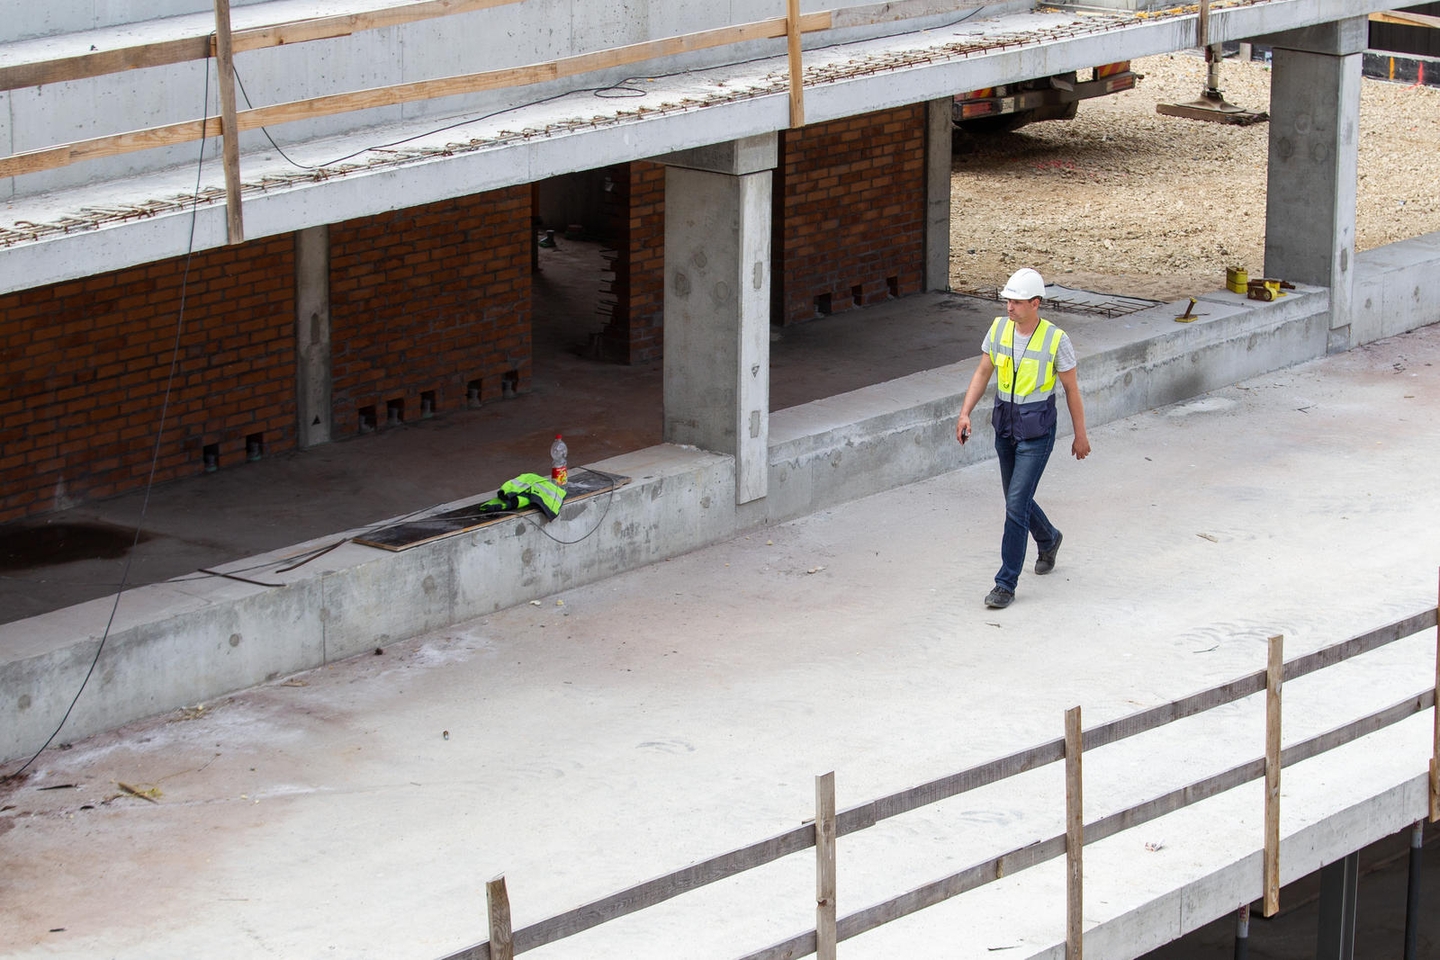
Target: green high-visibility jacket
528	490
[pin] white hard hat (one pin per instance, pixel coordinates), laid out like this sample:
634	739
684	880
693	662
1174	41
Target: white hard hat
1023	284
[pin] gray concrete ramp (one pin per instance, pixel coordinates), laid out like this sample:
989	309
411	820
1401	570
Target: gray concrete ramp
612	732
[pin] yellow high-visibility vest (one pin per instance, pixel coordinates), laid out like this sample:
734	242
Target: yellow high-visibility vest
1035	381
1025	402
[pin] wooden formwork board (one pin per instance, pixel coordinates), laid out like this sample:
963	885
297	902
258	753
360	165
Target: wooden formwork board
584	484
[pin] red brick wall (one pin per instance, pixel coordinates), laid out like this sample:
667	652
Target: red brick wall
849	213
84	366
430	299
635	332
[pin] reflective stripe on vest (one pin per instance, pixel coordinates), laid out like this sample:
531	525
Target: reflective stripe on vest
531	490
1035	382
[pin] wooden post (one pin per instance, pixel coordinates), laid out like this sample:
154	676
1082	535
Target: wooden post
230	130
797	74
1202	26
502	945
1074	838
825	866
1435	754
1274	674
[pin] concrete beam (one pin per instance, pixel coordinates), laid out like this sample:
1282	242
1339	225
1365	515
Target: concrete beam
1337	38
733	157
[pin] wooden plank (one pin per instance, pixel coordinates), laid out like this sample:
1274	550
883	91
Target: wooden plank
521	76
102	62
937	891
343	25
502	946
825	866
230	152
176	133
1159	716
48	158
1180	798
584	484
1364	643
1155	717
1406	19
1435	756
1074	837
1350	732
865	815
663	888
161	53
942	788
1274	674
797	68
1020	858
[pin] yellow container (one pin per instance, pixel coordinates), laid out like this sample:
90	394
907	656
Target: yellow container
1237	280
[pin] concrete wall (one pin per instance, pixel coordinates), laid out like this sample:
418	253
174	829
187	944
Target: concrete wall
84	368
850	213
425	301
430	300
1397	288
181	642
635	331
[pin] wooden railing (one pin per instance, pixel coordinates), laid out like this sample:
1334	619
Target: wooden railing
504	942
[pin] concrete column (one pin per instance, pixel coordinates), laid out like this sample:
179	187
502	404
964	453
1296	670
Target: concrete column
717	304
938	127
1314	139
312	336
1335	940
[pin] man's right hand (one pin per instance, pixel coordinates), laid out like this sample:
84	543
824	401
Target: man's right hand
962	428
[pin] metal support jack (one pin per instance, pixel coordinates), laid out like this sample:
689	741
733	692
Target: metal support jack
1212	105
1412	893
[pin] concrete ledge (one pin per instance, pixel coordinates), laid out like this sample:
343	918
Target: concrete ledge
1397	288
184	641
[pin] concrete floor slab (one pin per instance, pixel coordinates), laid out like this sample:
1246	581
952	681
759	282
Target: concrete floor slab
622	729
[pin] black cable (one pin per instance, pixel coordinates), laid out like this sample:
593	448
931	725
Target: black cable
608	500
609	92
159	435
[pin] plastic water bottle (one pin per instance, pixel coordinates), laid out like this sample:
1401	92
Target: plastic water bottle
558	452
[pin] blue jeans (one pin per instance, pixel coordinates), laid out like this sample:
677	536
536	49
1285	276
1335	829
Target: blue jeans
1021	464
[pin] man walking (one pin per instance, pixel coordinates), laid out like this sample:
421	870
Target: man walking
1030	354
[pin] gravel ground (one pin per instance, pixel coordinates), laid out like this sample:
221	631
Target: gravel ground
1123	200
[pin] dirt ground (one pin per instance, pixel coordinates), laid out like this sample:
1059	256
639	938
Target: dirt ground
1123	200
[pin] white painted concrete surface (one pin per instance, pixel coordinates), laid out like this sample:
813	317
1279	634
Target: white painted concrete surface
176	643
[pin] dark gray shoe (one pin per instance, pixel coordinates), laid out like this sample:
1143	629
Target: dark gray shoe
999	598
1046	561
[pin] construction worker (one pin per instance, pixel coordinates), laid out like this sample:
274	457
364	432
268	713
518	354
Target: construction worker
1030	354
